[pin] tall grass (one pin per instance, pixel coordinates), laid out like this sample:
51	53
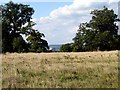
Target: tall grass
60	70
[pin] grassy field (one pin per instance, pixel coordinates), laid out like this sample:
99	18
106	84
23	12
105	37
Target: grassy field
60	70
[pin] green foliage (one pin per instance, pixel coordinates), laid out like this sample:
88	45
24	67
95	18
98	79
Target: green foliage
36	42
14	16
101	33
19	44
16	21
76	48
66	48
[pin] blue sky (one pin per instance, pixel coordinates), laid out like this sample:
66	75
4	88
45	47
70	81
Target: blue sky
59	21
43	9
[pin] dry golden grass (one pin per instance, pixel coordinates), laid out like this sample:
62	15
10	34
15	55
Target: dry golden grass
58	70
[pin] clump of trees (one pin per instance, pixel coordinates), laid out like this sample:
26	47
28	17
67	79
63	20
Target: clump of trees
100	33
66	48
16	22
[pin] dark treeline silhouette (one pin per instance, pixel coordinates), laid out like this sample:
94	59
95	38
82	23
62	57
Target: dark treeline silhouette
16	22
101	33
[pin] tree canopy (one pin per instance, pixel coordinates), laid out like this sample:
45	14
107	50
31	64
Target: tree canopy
36	42
16	21
66	48
101	33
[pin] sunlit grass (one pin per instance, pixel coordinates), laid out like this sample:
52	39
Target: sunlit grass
82	70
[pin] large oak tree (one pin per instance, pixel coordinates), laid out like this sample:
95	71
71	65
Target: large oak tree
16	21
101	33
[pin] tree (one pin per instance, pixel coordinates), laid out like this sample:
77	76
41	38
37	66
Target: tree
6	38
66	48
103	22
101	33
37	44
14	17
19	45
81	39
16	21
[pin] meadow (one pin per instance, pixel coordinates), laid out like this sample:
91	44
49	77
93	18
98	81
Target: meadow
60	70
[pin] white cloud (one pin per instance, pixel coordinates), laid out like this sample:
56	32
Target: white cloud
62	23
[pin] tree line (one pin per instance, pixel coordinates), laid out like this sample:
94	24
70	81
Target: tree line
100	33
